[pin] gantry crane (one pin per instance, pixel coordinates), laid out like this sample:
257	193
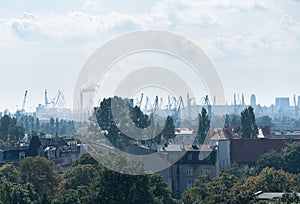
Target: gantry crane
24	101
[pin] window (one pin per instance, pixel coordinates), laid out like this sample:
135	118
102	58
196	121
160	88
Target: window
205	171
189	172
201	156
189	184
190	156
22	155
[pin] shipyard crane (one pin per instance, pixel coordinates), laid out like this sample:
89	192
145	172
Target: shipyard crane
24	101
146	105
161	102
59	100
46	98
172	103
140	101
177	112
155	104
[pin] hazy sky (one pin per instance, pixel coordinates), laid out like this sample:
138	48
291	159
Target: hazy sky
254	45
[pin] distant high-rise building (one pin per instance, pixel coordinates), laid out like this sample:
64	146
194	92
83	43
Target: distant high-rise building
282	102
253	100
243	100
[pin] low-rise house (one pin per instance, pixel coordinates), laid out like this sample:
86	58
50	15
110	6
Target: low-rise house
62	152
14	154
186	163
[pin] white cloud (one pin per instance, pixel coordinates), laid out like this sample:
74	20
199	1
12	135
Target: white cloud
89	3
185	13
6	34
281	37
241	5
233	33
78	24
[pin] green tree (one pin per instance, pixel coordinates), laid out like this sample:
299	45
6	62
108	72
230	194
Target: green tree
52	126
108	125
204	124
39	172
269	180
84	158
227	121
57	126
9	130
264	121
216	190
89	182
168	131
220	188
291	158
241	172
227	188
248	125
139	119
12	190
10	173
198	192
269	159
80	175
37	124
287	198
232	120
127	116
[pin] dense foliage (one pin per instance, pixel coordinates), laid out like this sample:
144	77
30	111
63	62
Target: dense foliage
228	189
203	126
116	119
248	124
86	182
9	130
287	159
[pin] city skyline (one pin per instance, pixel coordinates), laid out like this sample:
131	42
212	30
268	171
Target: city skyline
253	45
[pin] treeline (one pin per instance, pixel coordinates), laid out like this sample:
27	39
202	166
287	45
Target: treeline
276	124
13	129
10	131
33	181
53	126
273	172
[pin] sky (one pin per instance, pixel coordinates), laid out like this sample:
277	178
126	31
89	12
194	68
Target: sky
254	45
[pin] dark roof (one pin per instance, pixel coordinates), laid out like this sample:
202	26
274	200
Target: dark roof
136	150
249	150
56	141
12	154
33	146
193	157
